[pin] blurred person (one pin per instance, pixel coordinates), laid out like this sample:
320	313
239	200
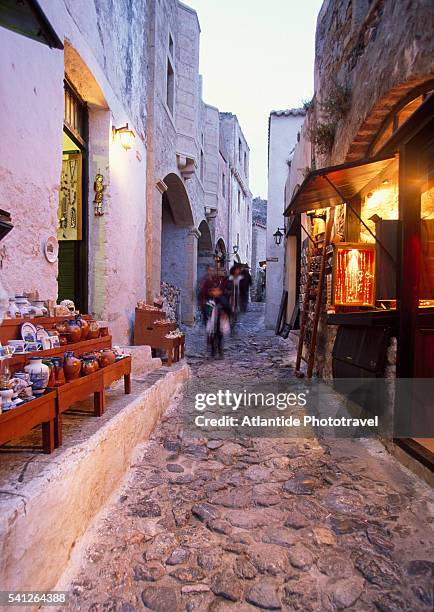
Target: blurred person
203	294
218	319
245	284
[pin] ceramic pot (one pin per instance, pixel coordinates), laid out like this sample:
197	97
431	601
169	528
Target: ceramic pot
59	374
73	331
40	306
23	305
13	311
51	378
104	331
63	340
39	374
89	365
84	327
106	357
71	366
93	330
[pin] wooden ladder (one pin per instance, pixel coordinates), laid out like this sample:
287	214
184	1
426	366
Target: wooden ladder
320	277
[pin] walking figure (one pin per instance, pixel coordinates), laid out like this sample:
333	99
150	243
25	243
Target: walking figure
218	320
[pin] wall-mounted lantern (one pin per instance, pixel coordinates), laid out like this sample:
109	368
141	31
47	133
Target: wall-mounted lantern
126	136
278	235
235	249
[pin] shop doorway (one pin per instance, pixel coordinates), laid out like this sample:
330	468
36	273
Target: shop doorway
205	253
72	210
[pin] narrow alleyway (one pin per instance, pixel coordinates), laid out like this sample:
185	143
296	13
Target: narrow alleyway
219	525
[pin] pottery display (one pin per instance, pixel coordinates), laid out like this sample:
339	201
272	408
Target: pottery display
106	357
84	327
39	374
23	305
71	366
13	311
59	374
51	378
89	365
93	330
70	329
5	372
6	399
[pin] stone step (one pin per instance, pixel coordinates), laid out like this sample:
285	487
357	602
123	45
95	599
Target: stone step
46	510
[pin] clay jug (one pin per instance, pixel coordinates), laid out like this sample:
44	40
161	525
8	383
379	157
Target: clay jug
89	365
106	358
84	327
59	374
71	366
93	330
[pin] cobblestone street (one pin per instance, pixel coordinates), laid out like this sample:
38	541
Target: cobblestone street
291	524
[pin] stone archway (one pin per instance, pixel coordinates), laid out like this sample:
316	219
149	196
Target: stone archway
179	245
205	253
221	253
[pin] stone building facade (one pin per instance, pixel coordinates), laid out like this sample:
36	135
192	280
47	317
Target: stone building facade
373	67
122	63
259	239
283	128
240	197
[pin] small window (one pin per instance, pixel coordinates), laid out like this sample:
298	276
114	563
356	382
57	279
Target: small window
240	150
238	240
239	200
223	185
247	251
245	163
170	86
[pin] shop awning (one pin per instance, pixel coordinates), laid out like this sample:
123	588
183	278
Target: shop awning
27	18
316	192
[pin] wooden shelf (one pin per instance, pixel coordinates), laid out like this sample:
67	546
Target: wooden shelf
79	348
20	420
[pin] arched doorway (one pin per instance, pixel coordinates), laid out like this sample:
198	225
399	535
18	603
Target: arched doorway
205	253
178	245
221	254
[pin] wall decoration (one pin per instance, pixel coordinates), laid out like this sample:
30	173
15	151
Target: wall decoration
70	198
98	187
51	249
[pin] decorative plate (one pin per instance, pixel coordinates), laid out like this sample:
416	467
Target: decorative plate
28	332
51	249
41	332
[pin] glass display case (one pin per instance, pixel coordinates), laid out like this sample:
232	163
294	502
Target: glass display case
353	278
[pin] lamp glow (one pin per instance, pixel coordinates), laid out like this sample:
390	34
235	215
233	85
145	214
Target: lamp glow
126	136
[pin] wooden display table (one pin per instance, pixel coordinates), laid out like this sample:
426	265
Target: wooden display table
146	331
20	420
96	383
48	409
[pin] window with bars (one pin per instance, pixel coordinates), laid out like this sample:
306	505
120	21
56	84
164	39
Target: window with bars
75	113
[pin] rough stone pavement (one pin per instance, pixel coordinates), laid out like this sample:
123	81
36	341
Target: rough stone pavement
269	524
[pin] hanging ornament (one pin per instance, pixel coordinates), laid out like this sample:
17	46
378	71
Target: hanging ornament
98	187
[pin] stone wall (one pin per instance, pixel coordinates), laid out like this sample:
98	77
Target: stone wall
105	59
282	134
240	217
380	50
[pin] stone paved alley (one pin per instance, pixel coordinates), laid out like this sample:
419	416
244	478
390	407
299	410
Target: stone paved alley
203	524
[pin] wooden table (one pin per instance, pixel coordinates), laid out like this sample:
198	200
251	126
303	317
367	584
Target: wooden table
96	383
20	420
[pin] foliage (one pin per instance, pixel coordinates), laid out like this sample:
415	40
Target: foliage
322	135
337	103
308	104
